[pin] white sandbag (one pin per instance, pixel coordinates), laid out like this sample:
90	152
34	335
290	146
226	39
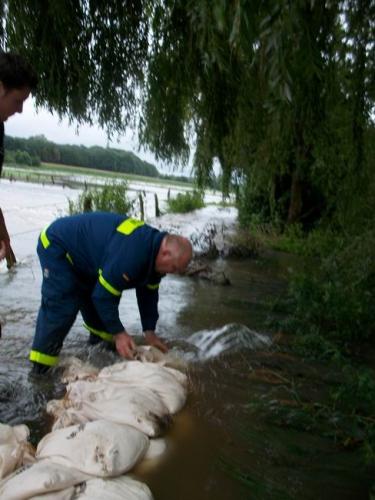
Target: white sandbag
120	488
179	376
66	494
15	450
100	448
68	417
131	371
39	478
168	383
156	449
139	407
64	415
76	369
57	406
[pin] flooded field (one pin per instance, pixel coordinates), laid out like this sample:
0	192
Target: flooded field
220	446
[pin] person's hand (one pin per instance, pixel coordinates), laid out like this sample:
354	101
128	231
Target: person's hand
154	340
3	250
125	345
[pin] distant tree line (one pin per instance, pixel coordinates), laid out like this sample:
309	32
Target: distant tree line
19	157
38	149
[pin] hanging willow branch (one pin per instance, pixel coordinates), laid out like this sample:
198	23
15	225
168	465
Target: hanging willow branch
274	91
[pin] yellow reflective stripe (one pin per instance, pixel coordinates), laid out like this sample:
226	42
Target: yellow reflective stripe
44	239
69	258
107	285
103	335
129	225
44	359
153	287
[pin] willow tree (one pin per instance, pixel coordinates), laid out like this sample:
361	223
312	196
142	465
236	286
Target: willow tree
279	92
248	77
91	55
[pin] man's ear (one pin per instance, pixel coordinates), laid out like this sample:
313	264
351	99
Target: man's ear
164	248
166	253
3	89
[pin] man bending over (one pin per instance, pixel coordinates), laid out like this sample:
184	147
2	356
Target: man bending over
87	261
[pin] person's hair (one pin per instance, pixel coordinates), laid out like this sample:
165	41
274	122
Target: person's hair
16	72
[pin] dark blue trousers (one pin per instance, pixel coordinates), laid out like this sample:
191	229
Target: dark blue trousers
64	294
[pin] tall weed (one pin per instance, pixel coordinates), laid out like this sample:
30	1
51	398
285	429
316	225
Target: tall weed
186	202
112	197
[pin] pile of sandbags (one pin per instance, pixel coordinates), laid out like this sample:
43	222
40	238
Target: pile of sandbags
104	426
143	395
46	480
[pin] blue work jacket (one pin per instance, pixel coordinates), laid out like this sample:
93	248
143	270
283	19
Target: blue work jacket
110	253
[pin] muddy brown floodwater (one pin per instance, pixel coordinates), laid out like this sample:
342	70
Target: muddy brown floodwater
222	445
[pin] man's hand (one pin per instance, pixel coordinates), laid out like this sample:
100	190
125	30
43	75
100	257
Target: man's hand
154	340
4	239
3	250
125	345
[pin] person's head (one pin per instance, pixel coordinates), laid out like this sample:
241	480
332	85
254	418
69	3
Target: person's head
17	80
174	254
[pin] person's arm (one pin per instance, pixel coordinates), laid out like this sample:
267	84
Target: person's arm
4	238
107	309
2	250
148	298
106	298
106	306
125	345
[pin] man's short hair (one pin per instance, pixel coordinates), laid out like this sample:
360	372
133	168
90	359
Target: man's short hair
16	72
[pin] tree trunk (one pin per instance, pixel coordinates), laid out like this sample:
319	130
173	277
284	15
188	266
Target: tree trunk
295	205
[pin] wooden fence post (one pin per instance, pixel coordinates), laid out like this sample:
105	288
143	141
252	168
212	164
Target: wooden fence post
157	211
141	206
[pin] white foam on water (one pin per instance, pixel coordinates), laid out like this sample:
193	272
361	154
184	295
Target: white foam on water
230	338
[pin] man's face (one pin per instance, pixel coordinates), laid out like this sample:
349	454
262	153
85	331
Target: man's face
169	262
174	264
11	101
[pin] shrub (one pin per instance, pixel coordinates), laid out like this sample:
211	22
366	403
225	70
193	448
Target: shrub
335	301
186	202
112	197
22	158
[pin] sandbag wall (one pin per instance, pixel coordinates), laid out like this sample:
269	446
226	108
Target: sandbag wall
109	421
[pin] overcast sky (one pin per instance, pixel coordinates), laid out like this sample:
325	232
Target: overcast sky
31	123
